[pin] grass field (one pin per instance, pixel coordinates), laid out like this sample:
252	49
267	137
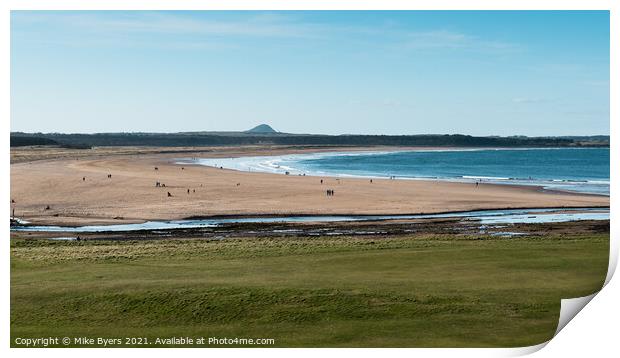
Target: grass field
430	291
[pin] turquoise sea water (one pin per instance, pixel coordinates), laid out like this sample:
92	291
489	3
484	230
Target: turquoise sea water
571	169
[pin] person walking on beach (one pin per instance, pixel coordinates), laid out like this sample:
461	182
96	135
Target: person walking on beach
169	195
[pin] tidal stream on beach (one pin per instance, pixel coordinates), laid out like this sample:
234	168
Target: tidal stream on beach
484	217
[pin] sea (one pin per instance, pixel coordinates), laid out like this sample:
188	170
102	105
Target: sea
582	170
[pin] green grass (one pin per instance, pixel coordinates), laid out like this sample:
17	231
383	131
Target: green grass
311	292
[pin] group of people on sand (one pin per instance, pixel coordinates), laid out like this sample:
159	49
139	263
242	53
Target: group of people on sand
109	177
157	185
330	192
337	181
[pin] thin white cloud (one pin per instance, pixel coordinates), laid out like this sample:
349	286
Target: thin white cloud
451	40
180	25
386	102
597	83
528	100
260	25
391	102
437	39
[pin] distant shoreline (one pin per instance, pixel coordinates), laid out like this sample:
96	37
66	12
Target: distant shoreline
83	141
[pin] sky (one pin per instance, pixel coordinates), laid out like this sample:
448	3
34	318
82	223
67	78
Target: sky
534	73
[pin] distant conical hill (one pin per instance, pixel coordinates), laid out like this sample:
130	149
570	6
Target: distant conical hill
262	128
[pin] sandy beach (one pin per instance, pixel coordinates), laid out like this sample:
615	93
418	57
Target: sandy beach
130	195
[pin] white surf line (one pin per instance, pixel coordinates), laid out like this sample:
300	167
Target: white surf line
276	165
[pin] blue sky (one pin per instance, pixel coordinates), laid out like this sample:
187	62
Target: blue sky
388	72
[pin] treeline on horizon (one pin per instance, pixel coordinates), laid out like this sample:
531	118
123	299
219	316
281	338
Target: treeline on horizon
19	139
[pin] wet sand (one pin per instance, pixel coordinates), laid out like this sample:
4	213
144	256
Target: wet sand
130	194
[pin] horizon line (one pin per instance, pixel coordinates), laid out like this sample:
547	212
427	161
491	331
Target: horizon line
317	134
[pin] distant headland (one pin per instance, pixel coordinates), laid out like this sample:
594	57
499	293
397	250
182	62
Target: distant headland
262	128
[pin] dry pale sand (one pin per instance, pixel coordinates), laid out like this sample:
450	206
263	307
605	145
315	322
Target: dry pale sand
131	196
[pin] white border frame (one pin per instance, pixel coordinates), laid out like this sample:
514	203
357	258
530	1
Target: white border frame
591	332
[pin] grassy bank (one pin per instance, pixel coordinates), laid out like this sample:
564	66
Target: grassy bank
313	292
